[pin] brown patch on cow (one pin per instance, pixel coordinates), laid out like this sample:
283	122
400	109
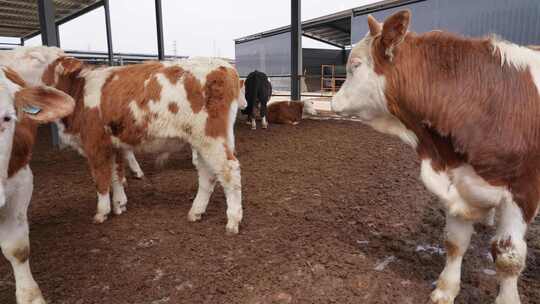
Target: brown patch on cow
221	88
285	112
173	73
23	142
452	250
194	92
465	107
139	85
173	108
14	77
22	254
69	66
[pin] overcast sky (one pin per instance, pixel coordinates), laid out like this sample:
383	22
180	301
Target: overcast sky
204	27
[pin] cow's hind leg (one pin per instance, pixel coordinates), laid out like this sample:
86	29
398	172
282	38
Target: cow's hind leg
458	237
222	162
207	183
263	112
119	198
509	251
133	164
15	243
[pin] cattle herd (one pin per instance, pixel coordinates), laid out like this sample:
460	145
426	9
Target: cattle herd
469	107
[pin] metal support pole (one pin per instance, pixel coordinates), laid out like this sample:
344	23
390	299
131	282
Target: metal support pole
49	37
159	25
47	23
110	49
296	49
22	42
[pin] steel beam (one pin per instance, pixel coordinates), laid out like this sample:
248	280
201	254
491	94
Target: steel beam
159	26
49	37
296	49
110	50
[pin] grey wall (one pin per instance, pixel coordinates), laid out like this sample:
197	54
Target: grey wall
514	20
271	55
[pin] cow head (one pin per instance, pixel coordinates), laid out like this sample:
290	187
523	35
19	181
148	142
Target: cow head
18	102
363	93
30	62
60	70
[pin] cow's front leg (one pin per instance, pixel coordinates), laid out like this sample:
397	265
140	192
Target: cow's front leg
509	251
207	183
14	241
458	237
222	162
101	165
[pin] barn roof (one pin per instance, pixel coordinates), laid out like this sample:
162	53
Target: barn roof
20	18
333	29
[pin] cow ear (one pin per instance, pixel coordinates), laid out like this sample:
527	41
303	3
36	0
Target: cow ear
394	30
374	26
70	65
43	104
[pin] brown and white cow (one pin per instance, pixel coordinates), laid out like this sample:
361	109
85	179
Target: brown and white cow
290	112
17	135
470	108
30	62
154	107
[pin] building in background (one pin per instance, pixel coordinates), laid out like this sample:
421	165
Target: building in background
514	20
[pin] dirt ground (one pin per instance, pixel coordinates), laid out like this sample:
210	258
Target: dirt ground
325	203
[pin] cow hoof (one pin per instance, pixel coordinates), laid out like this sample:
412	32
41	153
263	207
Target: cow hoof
231	229
30	296
193	217
441	297
139	175
265	126
118	210
100	218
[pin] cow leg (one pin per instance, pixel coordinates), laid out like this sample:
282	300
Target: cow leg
263	113
509	251
207	183
15	242
458	237
162	159
227	170
101	166
133	164
118	176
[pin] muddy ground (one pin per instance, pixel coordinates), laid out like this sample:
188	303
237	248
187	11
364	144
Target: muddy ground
325	203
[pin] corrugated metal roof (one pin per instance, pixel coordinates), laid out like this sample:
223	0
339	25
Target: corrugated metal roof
20	18
334	29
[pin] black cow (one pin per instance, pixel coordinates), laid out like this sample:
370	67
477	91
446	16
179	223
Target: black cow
258	93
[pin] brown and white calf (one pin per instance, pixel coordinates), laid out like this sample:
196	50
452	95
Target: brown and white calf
470	108
31	62
154	107
290	112
17	135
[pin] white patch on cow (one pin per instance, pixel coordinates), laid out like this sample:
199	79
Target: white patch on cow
309	108
7	129
390	125
463	192
133	164
519	57
95	79
103	207
73	141
14	235
30	62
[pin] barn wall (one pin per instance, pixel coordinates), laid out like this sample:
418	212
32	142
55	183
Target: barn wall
514	20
